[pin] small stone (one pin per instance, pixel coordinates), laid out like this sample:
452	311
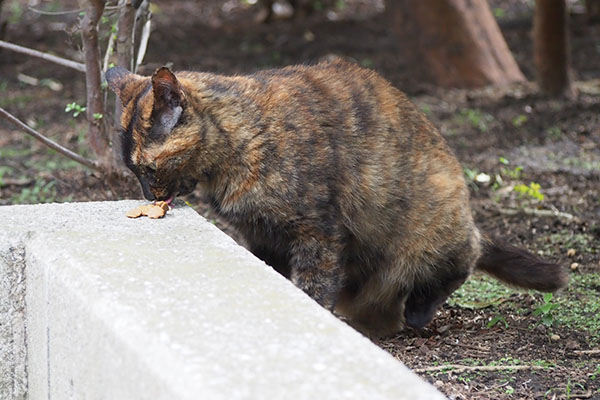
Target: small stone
571	252
574	266
438	383
541	328
554	336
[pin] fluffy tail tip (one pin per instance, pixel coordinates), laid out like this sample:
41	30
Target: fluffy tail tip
521	268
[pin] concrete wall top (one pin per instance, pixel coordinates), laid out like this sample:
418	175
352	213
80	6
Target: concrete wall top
174	309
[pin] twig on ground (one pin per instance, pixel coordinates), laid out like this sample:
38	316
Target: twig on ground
50	143
466	346
537	212
586	395
462	368
592	351
16	182
45	56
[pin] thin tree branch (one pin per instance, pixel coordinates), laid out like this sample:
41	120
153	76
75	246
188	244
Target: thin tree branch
143	40
142	17
109	51
44	12
50	143
45	56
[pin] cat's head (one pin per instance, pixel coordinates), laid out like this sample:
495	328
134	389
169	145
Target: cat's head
157	136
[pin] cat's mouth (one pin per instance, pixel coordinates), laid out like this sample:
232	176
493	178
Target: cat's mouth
168	193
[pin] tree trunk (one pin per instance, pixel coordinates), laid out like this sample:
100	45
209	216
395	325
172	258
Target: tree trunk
3	24
592	8
125	34
551	47
125	29
98	138
453	43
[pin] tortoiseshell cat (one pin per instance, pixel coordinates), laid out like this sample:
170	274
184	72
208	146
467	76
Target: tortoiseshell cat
334	178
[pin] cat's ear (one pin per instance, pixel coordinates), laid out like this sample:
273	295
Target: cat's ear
119	79
168	100
167	90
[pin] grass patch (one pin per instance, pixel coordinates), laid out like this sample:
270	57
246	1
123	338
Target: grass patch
476	118
579	307
18	101
481	291
576	308
566	239
41	192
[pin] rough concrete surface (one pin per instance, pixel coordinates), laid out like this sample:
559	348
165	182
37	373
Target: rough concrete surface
13	378
170	309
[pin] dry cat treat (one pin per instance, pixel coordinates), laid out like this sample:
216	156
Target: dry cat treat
154	211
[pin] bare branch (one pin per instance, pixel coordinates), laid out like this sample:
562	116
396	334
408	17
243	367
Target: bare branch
45	56
144	40
44	12
109	51
142	18
50	143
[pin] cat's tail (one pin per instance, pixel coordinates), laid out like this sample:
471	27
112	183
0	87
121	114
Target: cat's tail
519	267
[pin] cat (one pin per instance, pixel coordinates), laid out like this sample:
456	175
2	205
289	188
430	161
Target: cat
333	177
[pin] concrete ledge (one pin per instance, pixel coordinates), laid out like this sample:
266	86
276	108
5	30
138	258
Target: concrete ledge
115	308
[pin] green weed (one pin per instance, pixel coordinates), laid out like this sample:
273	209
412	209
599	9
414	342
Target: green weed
15	12
532	191
4	171
554	132
495	320
41	192
545	310
18	101
596	373
519	120
77	109
477	118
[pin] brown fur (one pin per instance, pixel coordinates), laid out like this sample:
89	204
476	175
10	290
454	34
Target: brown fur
331	174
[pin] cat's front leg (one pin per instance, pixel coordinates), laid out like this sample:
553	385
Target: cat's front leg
315	268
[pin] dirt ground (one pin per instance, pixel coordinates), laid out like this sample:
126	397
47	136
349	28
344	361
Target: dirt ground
533	165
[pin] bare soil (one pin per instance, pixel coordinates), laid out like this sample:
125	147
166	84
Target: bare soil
506	138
